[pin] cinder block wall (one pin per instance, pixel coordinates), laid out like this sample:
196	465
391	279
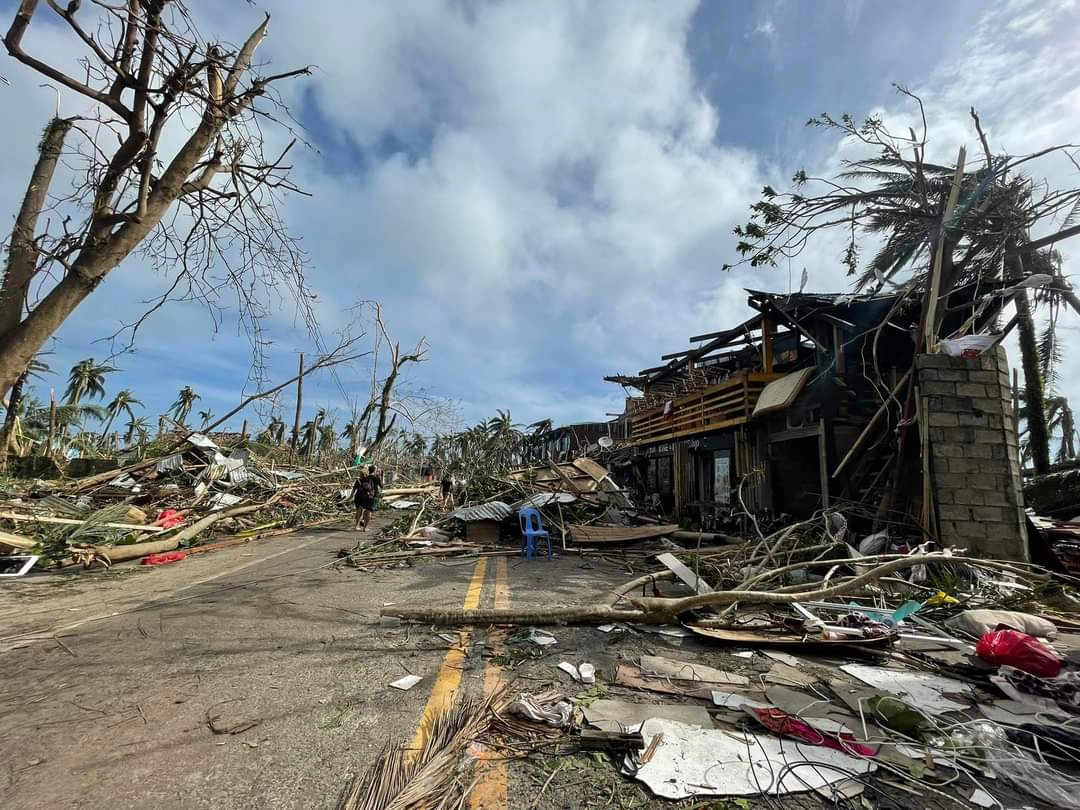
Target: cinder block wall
975	459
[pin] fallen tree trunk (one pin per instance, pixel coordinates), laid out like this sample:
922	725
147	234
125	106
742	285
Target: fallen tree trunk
707	537
570	614
121	553
655	610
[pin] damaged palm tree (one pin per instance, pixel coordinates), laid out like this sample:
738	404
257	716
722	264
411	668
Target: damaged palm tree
205	212
935	226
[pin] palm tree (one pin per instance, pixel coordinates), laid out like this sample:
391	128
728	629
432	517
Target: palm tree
206	416
137	427
36	368
86	379
70	415
310	434
122	403
900	202
185	401
353	431
309	438
1060	418
274	432
328	440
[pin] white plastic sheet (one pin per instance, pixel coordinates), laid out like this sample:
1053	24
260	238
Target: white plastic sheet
691	761
921	689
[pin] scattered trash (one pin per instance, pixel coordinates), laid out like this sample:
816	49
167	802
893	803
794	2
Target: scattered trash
555	713
685	671
696	761
540	638
18	565
923	689
618	715
406	683
978	623
587	673
570	670
1015	649
163	559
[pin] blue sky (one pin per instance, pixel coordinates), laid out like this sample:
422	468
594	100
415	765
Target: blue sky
546	191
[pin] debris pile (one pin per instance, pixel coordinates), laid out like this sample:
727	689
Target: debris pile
804	666
161	504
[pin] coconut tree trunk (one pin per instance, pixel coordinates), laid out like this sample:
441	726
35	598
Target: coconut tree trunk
1034	395
15	399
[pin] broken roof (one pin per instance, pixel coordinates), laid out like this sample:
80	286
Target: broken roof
790	309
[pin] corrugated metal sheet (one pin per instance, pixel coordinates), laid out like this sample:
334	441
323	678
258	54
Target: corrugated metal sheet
544	499
173	463
239	475
493	510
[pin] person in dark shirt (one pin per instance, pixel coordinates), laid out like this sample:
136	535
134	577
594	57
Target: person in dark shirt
365	494
447	485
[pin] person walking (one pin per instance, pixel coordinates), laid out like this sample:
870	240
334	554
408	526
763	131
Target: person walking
365	495
447	485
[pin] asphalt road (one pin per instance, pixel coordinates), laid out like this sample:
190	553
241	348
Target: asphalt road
111	680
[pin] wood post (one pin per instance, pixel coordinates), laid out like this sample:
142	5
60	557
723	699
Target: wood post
299	405
52	423
768	333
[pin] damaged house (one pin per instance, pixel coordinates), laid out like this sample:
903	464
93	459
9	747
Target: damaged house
802	406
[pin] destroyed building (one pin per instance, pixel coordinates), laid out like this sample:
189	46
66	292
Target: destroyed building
804	404
567	442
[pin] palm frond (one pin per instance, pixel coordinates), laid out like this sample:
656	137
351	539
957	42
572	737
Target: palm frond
1049	356
432	776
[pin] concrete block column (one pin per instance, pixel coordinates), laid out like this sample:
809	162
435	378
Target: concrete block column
975	462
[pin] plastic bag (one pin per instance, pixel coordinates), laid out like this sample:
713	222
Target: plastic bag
1015	649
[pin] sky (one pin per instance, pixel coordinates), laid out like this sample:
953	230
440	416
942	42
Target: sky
546	191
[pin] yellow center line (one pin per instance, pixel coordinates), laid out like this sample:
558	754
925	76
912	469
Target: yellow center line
449	678
490	791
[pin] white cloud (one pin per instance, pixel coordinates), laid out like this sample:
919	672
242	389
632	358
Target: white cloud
558	205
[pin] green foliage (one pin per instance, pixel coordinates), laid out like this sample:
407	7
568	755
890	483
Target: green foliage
185	401
86	379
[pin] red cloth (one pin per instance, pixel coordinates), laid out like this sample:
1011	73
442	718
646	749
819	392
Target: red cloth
169	519
163	559
788	725
1009	647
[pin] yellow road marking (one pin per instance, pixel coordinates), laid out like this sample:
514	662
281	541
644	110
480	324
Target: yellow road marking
490	791
449	678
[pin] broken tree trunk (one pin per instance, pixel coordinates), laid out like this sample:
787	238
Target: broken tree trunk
655	610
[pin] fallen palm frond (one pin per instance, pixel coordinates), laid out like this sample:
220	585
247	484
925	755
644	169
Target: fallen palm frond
431	777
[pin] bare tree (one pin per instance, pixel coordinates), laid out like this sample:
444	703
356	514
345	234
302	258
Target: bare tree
204	211
383	405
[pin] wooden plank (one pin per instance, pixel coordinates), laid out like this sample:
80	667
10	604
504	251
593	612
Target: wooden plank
617	534
595	471
16	541
673	564
768	333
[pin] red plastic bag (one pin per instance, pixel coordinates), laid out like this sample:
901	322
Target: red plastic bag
1009	647
162	559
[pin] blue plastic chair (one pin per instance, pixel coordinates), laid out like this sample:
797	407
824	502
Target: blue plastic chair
531	528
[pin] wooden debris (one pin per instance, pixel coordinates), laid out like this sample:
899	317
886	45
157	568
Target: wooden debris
617	534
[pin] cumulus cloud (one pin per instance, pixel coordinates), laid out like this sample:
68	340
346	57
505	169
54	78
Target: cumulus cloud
541	189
